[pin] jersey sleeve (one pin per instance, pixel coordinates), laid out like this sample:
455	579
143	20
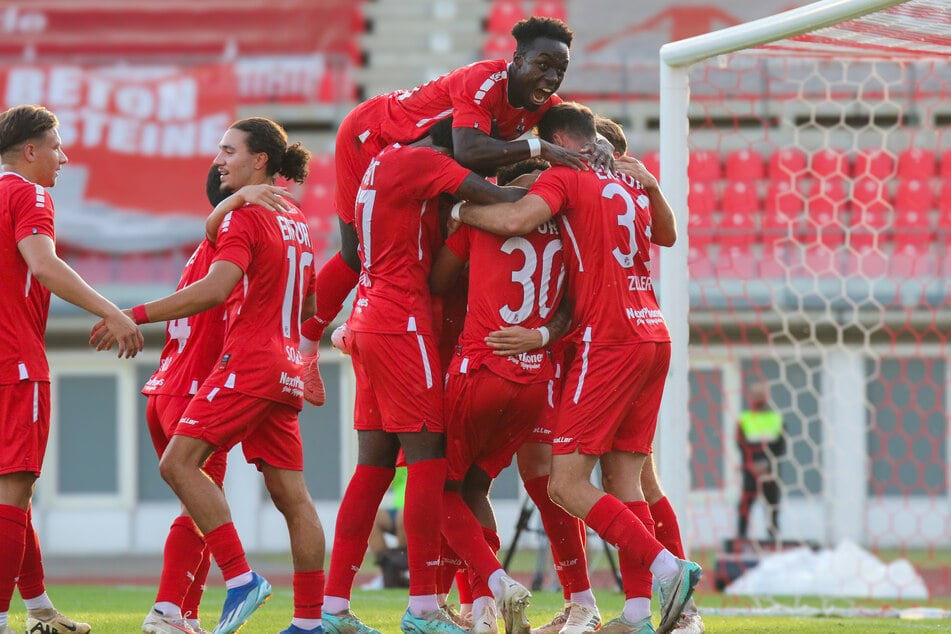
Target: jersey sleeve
474	93
442	174
553	186
34	212
460	241
235	237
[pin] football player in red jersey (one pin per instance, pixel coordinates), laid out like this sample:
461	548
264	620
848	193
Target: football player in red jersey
399	399
32	155
509	97
609	221
263	269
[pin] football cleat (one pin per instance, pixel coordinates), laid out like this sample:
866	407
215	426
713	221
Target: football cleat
241	602
581	619
51	621
675	592
157	622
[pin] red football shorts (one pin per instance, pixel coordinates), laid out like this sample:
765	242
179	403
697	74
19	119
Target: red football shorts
399	386
162	413
268	431
24	426
611	399
487	420
544	428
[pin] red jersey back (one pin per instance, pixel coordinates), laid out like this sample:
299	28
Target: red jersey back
515	281
476	96
26	209
397	221
605	220
261	355
192	344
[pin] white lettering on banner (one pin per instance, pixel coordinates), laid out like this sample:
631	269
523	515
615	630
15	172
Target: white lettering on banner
59	87
124	114
16	20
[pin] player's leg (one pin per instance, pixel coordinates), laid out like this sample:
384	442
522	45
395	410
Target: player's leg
564	535
289	493
219	423
16	490
376	460
771	494
747	496
667	532
184	544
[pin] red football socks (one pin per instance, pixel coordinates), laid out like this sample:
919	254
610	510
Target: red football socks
308	594
466	536
197	588
354	523
228	551
564	533
617	525
30	582
667	528
183	554
12	545
334	282
425	481
636	578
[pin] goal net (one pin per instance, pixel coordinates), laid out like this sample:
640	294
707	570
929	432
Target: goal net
813	152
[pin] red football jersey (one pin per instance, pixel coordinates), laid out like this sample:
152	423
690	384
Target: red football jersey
605	221
397	221
26	209
192	344
515	281
474	95
261	355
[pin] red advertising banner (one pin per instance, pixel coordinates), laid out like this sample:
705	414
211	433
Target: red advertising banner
139	140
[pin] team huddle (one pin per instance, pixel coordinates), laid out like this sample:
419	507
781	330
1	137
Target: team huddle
491	321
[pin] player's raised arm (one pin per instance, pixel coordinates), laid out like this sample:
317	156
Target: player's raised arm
39	252
271	197
505	219
663	222
211	290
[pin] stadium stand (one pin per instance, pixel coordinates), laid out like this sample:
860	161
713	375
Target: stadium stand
916	164
744	166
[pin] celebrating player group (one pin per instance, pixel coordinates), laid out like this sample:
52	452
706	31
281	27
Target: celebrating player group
560	358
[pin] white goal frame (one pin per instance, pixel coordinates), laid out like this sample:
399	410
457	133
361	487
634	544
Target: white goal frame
675	60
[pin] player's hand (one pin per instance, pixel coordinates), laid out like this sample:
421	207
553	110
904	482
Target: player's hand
599	154
271	197
635	169
557	155
118	328
513	340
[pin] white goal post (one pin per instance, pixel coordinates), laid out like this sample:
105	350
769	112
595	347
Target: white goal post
673	450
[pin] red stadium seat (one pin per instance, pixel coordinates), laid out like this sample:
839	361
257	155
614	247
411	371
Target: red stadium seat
704	166
869	194
916	163
913	258
702	204
783	199
829	163
551	9
914	195
503	15
944	206
827	198
744	166
698	260
786	164
498	46
651	161
870	229
741	197
874	163
735	261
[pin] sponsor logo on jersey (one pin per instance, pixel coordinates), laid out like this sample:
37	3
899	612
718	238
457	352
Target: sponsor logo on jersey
644	316
225	358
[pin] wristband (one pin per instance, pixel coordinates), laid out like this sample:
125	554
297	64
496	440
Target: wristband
546	336
534	147
139	315
454	213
